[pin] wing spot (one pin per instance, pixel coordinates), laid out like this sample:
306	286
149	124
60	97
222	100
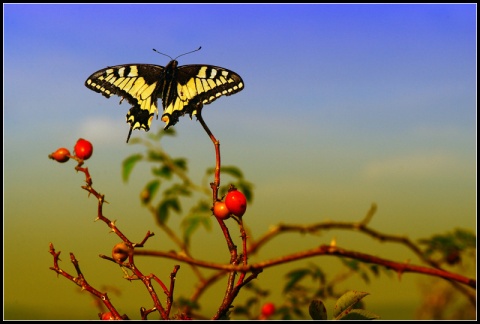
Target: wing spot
129	84
133	71
205	85
202	73
199	86
147	92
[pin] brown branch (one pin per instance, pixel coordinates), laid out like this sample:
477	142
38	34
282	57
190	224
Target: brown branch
82	282
137	274
216	183
322	250
172	287
362	227
328	225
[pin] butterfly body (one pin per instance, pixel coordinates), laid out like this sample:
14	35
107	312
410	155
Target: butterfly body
182	89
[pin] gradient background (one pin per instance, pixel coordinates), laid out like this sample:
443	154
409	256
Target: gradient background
344	105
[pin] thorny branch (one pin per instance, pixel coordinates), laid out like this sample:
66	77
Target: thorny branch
137	274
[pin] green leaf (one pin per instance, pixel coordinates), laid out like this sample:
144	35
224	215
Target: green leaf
445	244
164	208
134	140
351	264
229	169
161	132
360	314
191	223
294	277
175	205
318	274
252	301
346	303
163	171
203	206
181	163
162	212
169	132
317	310
232	170
149	191
246	188
128	165
375	269
198	215
183	302
156	156
240	310
177	190
297	311
466	238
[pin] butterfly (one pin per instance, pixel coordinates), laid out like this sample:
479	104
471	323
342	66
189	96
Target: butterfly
183	89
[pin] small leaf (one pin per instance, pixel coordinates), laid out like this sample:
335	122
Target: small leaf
163	171
164	207
360	314
162	212
169	132
317	310
128	165
190	225
345	303
177	190
252	301
350	263
149	191
199	215
246	188
467	239
295	276
181	163
375	269
230	169
156	156
297	311
182	302
175	205
240	310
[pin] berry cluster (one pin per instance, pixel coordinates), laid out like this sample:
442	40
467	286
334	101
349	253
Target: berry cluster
83	150
235	203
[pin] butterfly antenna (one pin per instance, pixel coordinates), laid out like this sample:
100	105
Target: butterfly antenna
189	52
162	53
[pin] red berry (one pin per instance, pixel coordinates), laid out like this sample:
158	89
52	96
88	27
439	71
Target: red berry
83	149
120	252
108	316
236	202
60	155
220	210
268	309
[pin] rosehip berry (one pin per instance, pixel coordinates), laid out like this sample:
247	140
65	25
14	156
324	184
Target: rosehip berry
220	210
83	149
236	202
60	155
108	316
268	309
120	252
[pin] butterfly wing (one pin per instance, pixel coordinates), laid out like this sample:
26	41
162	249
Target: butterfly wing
137	83
192	86
183	89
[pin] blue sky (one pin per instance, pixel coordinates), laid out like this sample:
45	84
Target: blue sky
344	105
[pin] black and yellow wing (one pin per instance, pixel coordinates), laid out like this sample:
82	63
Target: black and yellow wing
183	89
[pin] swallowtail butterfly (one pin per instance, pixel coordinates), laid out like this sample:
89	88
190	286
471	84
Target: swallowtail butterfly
183	89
